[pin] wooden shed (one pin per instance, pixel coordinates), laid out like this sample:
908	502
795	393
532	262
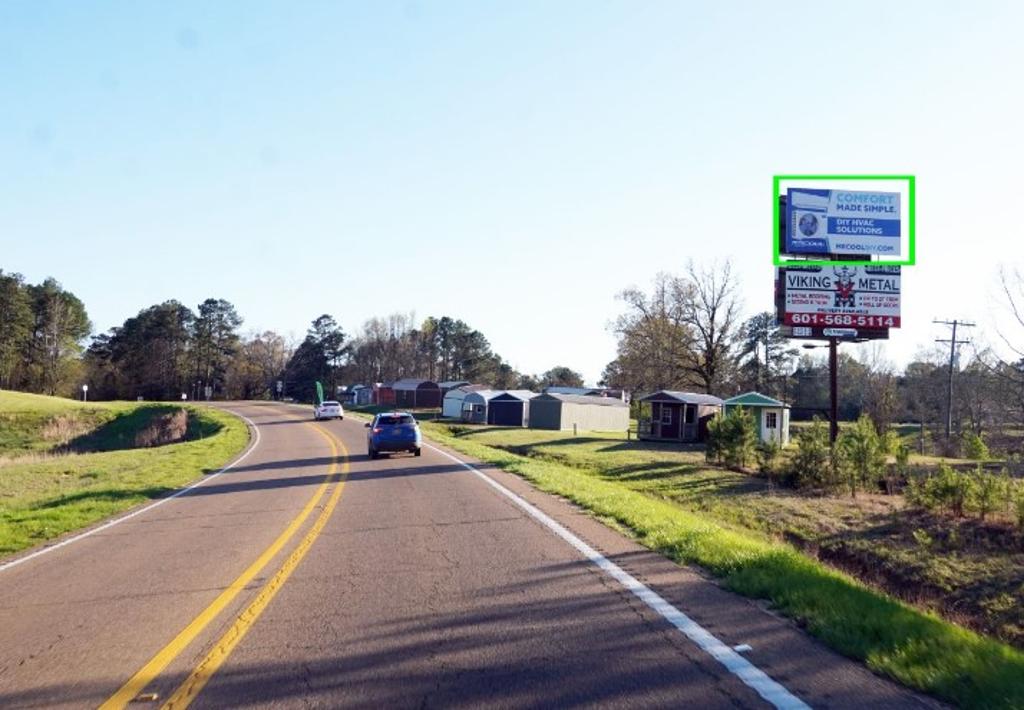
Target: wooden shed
451	406
771	415
475	406
568	412
511	408
412	393
669	415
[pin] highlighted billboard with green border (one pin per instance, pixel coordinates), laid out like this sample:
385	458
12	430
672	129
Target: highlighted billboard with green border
906	184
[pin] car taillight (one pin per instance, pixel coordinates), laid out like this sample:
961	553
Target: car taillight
377	430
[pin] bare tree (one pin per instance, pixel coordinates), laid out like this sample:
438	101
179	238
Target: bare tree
711	311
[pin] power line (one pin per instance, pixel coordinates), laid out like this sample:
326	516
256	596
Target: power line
953	342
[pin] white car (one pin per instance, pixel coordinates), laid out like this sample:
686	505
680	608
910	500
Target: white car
328	410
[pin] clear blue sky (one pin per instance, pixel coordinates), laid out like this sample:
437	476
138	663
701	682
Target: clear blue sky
515	164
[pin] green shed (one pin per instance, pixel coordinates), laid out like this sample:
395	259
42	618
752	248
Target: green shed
771	415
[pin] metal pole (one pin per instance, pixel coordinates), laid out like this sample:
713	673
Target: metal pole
949	389
833	366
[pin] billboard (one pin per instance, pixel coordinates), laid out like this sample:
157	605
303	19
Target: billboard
842	222
852	297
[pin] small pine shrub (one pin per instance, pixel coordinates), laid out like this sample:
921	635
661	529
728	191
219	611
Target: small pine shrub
1017	500
732	438
767	458
990	492
950	489
863	454
973	447
810	465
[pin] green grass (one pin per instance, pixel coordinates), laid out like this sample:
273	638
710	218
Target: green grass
915	647
44	494
31	422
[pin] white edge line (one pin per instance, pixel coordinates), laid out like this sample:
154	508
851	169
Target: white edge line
111	523
752	676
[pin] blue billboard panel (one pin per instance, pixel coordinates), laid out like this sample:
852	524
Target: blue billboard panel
842	222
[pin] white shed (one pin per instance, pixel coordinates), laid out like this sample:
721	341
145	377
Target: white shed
451	407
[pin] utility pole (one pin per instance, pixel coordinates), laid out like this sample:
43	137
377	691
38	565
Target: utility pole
953	342
833	389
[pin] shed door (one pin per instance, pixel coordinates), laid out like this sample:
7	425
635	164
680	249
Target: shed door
669	421
506	413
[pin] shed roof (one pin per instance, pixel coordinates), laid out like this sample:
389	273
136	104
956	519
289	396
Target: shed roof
451	384
754	399
583	399
684	397
557	389
482	395
411	383
518	394
459	392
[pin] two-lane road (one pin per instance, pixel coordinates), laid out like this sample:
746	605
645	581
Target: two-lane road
308	574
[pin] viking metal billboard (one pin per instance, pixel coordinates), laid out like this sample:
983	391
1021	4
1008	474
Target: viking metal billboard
866	297
842	222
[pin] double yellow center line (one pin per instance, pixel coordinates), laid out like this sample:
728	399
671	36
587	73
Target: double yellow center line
220	651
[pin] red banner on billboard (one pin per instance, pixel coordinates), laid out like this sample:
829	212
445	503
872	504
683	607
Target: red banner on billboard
866	297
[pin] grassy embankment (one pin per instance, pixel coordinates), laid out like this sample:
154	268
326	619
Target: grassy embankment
729	524
65	465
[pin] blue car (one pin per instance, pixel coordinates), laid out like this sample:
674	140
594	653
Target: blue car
393	431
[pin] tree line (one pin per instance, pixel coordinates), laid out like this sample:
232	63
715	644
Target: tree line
42	327
685	333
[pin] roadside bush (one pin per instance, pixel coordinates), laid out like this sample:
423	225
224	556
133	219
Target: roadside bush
810	464
949	489
767	458
991	492
973	446
1017	495
713	445
862	453
732	438
898	471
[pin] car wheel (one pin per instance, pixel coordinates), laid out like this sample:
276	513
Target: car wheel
372	453
416	452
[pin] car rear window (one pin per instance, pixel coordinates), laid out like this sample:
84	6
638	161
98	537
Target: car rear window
330	404
397	419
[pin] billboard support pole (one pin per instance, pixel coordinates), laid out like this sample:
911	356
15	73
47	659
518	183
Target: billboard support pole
833	387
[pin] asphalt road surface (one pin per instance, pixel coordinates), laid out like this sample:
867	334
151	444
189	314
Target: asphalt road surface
309	575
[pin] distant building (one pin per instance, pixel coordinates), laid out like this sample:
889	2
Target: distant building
449	385
383	395
669	415
511	408
416	394
771	415
475	406
362	395
451	406
588	392
567	412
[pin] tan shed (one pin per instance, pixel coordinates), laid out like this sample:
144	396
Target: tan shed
568	412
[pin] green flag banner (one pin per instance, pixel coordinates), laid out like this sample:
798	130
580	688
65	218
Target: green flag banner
319	392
